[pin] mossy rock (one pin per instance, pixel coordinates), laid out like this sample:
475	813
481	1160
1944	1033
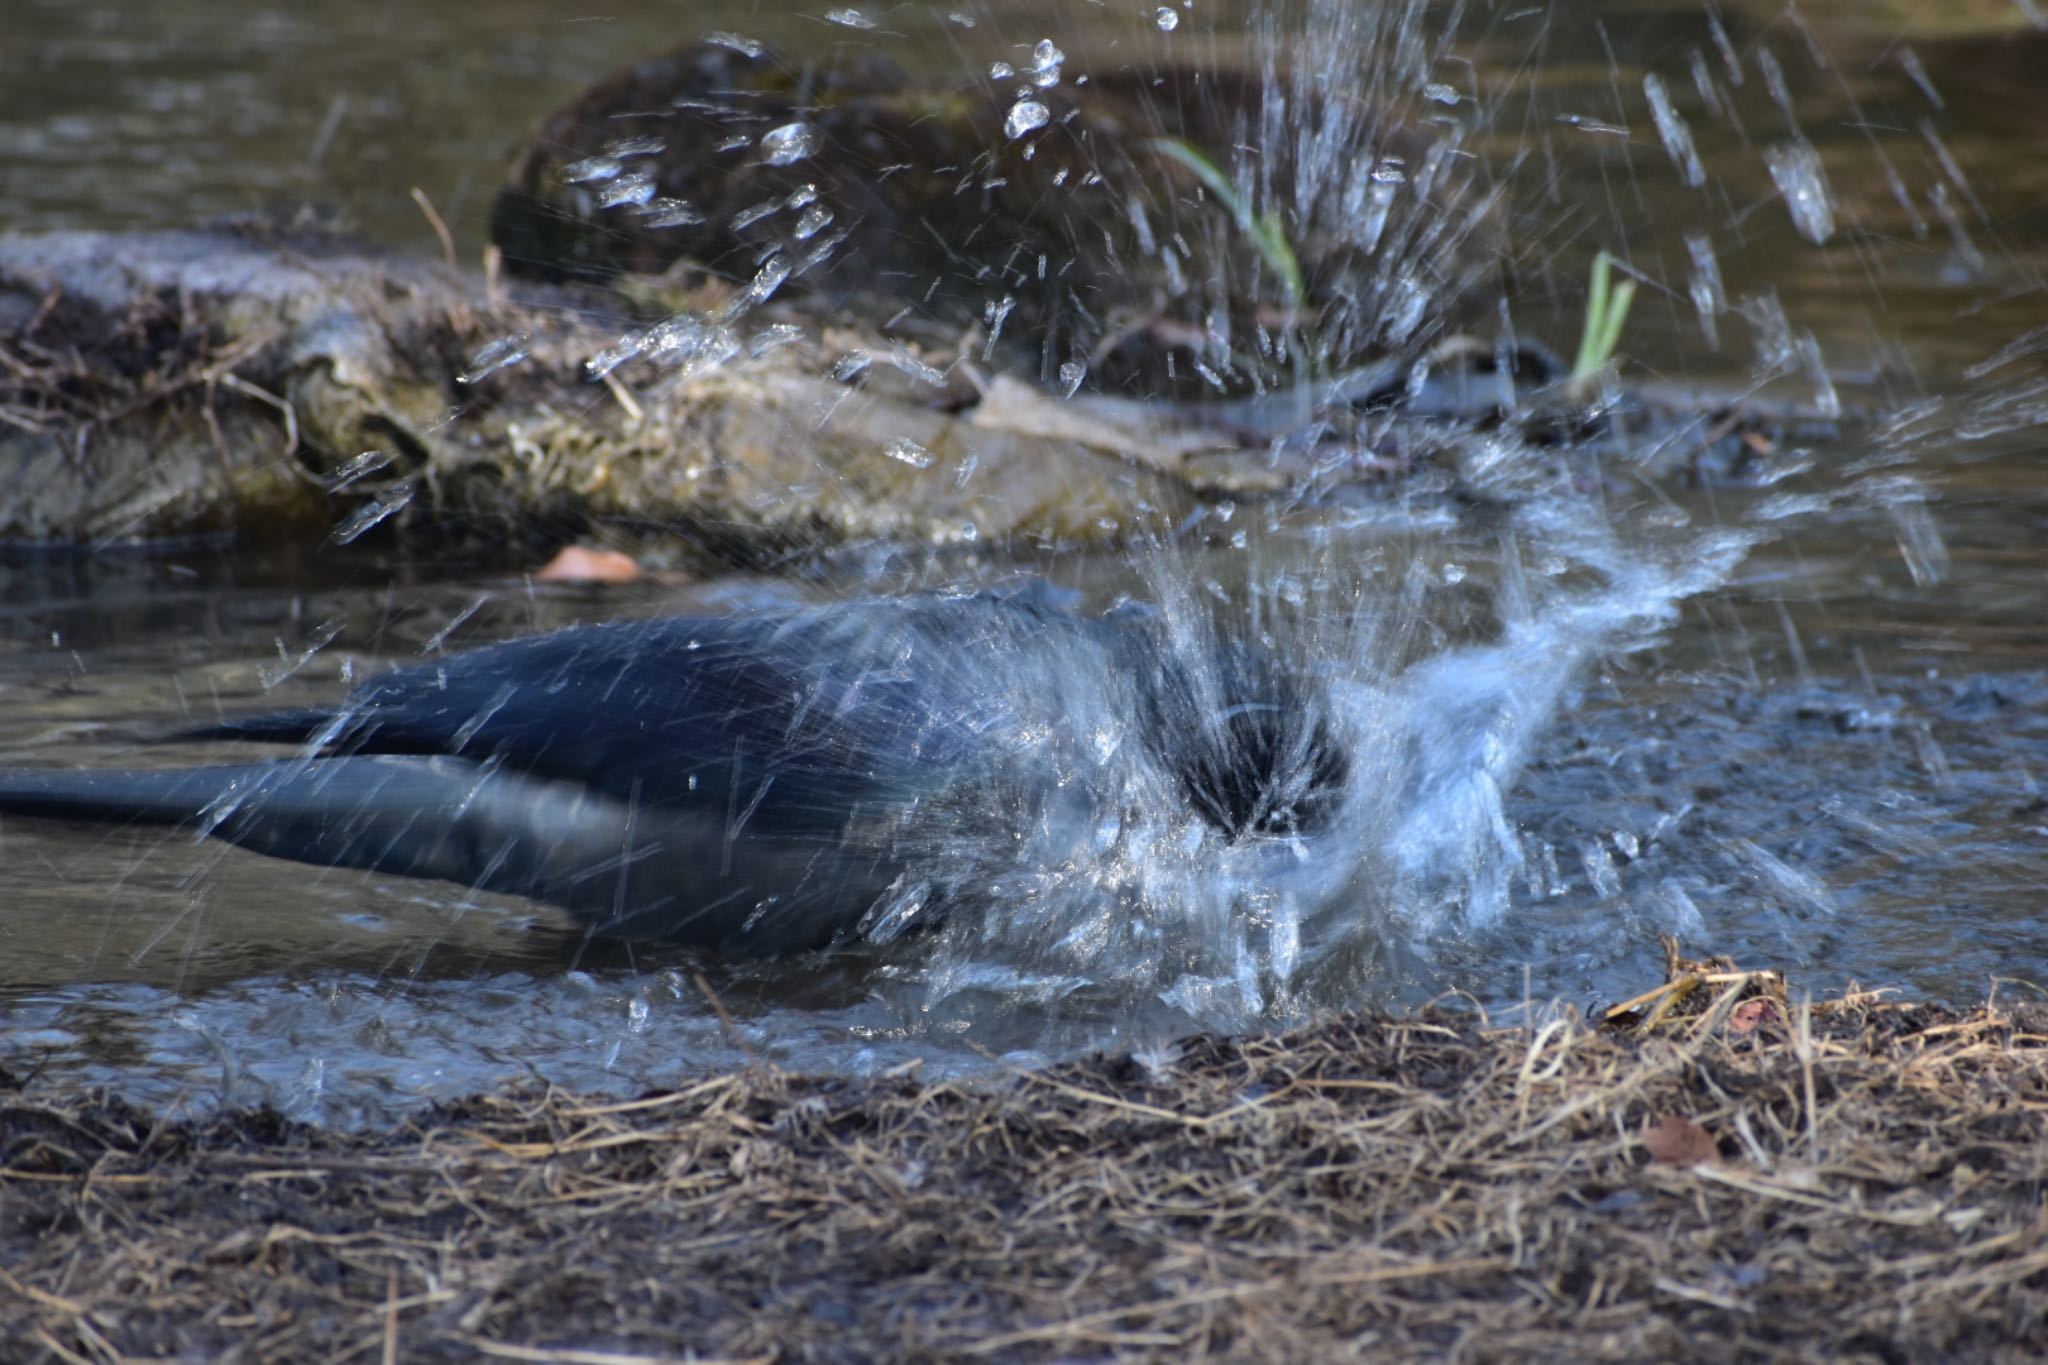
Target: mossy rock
1083	242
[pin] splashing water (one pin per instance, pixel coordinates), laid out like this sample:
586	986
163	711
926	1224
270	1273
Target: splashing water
1105	906
1106	899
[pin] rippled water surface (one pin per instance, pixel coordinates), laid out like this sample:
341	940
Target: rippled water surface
1800	716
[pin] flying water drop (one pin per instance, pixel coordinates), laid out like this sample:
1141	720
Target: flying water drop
747	217
628	147
746	47
504	352
1708	295
373	513
1046	61
361	467
628	190
668	213
1676	135
591	170
815	219
789	144
1026	115
909	452
1796	170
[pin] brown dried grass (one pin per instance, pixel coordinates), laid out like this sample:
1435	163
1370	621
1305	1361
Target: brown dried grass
1717	1180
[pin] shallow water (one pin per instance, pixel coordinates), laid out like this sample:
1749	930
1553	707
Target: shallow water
1800	719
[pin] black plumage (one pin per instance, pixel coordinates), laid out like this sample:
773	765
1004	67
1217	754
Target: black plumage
754	783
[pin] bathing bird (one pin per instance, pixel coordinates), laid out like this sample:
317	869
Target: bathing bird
758	783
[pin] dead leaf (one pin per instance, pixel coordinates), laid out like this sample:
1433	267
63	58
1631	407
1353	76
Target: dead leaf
581	564
1676	1141
1750	1015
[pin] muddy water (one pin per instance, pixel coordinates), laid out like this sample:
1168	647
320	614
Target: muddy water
1830	760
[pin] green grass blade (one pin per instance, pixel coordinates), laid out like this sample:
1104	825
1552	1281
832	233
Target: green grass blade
1607	305
1266	231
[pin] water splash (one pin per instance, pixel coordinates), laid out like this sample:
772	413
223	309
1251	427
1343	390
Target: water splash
1105	898
502	353
790	143
1796	167
1026	116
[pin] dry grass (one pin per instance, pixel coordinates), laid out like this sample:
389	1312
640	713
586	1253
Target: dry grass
1760	1180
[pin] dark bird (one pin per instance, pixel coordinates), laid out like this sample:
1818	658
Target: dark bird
755	783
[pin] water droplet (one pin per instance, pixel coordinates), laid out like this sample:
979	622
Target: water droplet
790	143
1672	129
634	189
1770	331
590	170
815	220
1437	92
1045	64
1168	18
801	196
910	452
746	47
773	338
1071	375
822	252
917	369
851	366
636	146
1026	116
1796	170
362	466
1454	574
849	18
761	288
505	351
747	217
1709	298
1001	71
373	513
964	20
995	314
1824	395
668	213
611	357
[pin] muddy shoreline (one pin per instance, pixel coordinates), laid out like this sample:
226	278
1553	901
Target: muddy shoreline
1861	1180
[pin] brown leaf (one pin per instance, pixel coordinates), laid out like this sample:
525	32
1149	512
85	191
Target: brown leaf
1676	1141
581	564
1751	1014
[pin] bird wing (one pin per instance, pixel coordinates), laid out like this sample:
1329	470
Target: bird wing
791	719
